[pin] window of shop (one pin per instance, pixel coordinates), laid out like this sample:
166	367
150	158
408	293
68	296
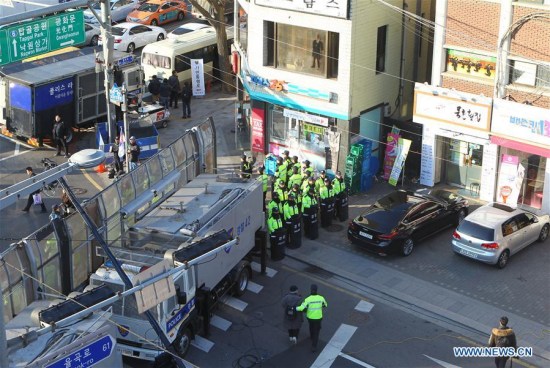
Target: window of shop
532	185
301	50
529	74
381	49
463	162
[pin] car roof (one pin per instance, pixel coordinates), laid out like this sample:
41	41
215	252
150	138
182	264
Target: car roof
493	214
128	25
193	25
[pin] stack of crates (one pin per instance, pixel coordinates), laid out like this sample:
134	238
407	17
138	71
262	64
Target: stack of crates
354	162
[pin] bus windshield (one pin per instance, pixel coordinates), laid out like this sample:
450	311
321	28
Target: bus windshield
158	61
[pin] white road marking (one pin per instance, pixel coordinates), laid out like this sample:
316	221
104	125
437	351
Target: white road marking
364	306
235	303
202	343
14	155
269	271
356	361
255	288
334	346
442	363
220	322
17	145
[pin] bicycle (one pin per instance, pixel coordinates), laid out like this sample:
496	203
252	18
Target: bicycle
50	189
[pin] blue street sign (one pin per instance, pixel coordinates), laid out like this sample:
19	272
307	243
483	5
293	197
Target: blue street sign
87	356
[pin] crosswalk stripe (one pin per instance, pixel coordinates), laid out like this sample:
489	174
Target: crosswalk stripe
364	306
334	346
255	288
356	361
201	343
235	303
258	268
220	322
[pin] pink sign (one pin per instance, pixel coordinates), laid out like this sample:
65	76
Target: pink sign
258	130
391	154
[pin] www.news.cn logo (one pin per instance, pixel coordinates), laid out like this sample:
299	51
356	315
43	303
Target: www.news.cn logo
492	352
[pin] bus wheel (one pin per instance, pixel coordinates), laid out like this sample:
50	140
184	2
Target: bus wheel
241	282
183	341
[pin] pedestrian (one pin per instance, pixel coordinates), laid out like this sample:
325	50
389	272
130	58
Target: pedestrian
292	319
66	202
56	213
246	167
31	200
314	305
115	150
317	49
59	133
154	88
502	337
175	89
165	91
133	151
186	95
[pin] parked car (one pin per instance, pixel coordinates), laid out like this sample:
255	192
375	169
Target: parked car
494	232
131	36
187	28
119	11
155	12
92	34
398	221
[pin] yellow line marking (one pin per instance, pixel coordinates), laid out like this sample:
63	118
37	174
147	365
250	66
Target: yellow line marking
91	180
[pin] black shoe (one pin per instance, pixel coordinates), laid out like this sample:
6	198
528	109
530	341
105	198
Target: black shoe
189	117
25	210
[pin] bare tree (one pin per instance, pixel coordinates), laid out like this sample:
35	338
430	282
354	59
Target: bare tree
216	17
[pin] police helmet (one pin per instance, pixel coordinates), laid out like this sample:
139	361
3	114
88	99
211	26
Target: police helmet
291	196
295	187
275	210
327	180
307	162
323	172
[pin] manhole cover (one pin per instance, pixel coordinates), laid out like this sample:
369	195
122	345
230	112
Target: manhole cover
78	191
334	228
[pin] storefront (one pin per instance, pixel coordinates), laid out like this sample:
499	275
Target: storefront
456	147
522	133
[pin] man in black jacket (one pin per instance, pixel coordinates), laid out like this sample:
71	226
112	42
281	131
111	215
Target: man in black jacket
502	337
154	88
59	134
175	86
186	95
30	200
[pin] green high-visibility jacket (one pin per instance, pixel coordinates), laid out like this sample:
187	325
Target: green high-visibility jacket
295	179
307	202
264	179
271	205
282	194
319	183
305	186
290	210
336	187
274	224
281	171
326	193
314	305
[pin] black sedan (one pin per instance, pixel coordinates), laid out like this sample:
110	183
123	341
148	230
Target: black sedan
396	222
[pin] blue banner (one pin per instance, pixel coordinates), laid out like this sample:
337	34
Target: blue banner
20	96
54	94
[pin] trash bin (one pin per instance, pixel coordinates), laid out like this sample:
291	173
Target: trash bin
277	240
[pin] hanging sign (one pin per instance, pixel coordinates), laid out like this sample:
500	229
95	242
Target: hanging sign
402	151
197	77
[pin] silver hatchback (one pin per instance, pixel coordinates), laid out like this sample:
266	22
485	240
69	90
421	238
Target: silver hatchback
494	232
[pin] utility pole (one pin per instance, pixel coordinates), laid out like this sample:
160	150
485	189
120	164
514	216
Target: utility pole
108	46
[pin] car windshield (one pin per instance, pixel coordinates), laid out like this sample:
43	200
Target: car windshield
117	31
477	231
149	7
181	30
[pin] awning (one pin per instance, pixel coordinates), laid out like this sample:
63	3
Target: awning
529	148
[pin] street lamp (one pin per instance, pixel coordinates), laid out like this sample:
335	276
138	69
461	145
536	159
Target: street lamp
124	108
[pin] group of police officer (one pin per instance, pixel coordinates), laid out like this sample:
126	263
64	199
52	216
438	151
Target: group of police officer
295	197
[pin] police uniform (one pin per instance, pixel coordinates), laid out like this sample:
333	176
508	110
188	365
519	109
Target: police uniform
313	305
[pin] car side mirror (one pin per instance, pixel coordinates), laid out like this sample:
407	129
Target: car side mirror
534	220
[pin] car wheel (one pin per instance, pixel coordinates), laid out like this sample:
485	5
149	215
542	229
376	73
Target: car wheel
94	40
241	282
461	215
131	48
183	341
407	248
160	37
164	124
503	259
154	22
181	15
544	233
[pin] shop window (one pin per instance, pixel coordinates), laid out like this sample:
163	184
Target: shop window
278	125
381	49
529	74
269	50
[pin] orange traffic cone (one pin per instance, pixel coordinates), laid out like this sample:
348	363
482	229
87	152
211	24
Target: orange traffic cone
101	169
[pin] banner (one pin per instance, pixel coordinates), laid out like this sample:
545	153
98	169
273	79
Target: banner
258	130
509	180
391	154
402	151
197	77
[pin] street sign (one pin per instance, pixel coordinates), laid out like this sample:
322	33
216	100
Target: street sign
115	95
87	356
38	37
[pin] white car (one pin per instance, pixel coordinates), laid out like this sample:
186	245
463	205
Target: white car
187	28
131	36
119	10
92	34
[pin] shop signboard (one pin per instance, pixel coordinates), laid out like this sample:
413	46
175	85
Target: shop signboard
427	164
391	154
509	180
197	77
467	63
433	105
402	151
333	8
529	124
258	137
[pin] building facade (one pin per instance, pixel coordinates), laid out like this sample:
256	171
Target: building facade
487	127
314	76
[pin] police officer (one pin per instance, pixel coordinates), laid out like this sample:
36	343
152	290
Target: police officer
291	213
296	163
309	213
264	179
326	196
287	159
246	168
277	235
306	167
309	184
281	171
341	197
320	182
295	190
274	203
281	189
314	304
295	178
